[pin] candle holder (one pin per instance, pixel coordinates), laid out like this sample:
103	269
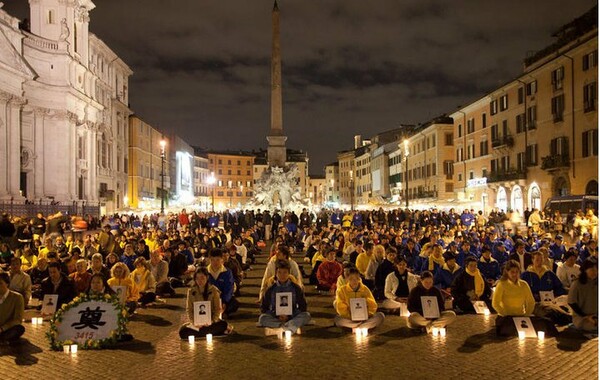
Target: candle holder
521	335
365	332
209	338
73	348
443	332
191	339
288	334
66	348
541	335
435	331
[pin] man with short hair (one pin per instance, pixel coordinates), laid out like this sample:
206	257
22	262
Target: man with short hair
58	283
12	309
276	324
222	278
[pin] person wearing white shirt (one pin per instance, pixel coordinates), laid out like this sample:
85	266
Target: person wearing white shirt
568	272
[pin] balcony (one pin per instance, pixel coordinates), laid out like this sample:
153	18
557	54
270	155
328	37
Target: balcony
508	175
503	141
555	162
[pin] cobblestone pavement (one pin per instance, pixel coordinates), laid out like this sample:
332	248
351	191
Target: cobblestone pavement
470	350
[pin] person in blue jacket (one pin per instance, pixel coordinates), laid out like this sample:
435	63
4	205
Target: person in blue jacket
557	249
541	278
445	276
222	278
488	266
336	218
500	253
466	218
357	219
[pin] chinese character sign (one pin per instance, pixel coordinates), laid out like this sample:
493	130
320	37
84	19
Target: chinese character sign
94	320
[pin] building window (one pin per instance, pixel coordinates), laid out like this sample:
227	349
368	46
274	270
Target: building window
483	147
229	172
493	107
589	97
449	139
531	88
471	174
460	130
247	172
449	187
494	131
531	117
590	143
220	171
483	121
220	194
470	125
51	16
239	162
558	107
531	155
239	172
520	161
521	123
504	102
590	60
459	177
521	95
559	146
557	78
448	169
459	154
220	162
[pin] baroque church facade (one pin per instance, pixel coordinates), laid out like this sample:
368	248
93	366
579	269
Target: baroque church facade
63	109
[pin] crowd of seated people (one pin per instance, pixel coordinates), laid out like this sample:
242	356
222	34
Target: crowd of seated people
380	262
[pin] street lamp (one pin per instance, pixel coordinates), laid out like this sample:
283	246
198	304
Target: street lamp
163	144
241	194
211	182
351	190
406	153
230	188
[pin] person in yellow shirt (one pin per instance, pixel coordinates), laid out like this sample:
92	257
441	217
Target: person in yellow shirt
121	277
355	289
513	298
363	259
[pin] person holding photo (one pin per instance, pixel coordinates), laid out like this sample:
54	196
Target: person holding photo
416	319
202	290
276	324
513	298
398	285
355	289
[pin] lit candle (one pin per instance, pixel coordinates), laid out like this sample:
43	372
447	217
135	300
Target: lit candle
435	331
486	312
521	335
288	334
34	321
66	348
209	338
73	348
443	331
191	339
541	335
365	332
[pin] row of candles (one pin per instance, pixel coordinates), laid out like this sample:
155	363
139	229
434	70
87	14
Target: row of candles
192	339
37	320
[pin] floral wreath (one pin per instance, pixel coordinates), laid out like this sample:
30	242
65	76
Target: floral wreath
89	344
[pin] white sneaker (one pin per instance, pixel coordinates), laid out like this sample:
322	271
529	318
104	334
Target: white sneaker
273	331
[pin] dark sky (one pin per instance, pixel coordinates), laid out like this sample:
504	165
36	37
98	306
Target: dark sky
202	68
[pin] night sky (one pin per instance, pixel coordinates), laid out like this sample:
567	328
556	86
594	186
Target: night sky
202	68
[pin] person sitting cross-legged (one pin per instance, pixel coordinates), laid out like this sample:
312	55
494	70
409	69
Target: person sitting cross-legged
273	307
513	298
425	288
398	285
12	308
469	286
583	298
355	289
202	290
328	272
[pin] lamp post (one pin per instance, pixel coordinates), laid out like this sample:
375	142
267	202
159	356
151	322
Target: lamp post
211	182
230	188
241	194
163	144
406	152
351	190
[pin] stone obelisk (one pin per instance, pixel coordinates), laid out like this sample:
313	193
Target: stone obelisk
276	152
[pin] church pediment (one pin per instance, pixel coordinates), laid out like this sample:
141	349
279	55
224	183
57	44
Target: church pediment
10	57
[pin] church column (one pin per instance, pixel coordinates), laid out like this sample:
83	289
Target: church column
39	172
92	190
4	139
14	149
